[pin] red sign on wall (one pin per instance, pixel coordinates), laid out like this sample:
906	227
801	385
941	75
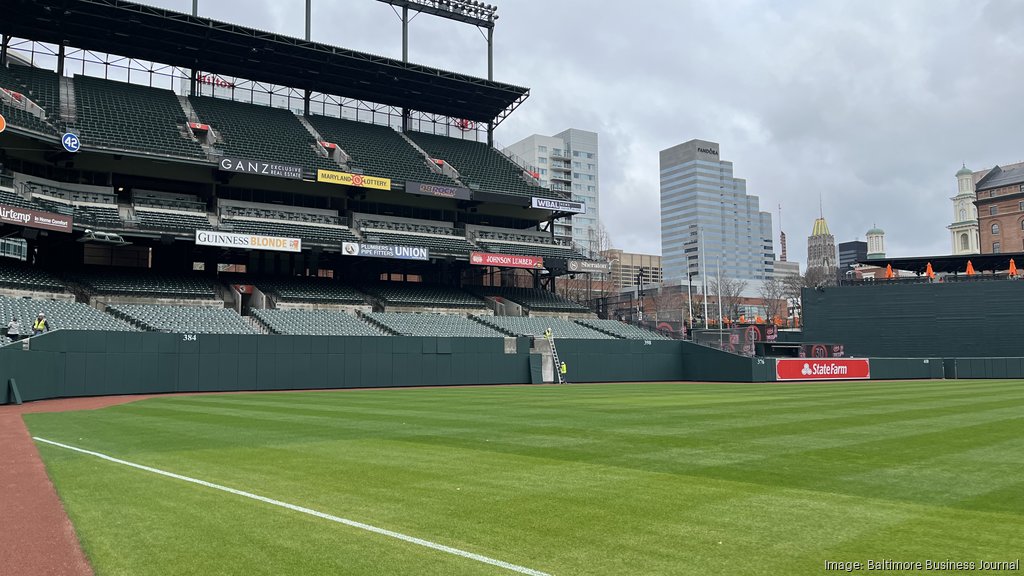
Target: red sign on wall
506	260
822	369
35	218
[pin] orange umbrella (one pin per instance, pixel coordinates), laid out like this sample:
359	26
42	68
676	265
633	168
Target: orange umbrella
928	271
970	268
1013	267
888	270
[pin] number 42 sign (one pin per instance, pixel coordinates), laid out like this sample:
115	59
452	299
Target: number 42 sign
70	142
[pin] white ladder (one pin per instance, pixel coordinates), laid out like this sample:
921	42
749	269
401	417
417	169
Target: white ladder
554	356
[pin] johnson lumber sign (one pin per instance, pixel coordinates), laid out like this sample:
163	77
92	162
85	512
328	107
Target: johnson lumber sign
35	218
506	260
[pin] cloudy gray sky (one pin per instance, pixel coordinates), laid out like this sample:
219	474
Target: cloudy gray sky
873	104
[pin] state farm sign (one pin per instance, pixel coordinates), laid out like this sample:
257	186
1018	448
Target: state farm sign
506	260
822	369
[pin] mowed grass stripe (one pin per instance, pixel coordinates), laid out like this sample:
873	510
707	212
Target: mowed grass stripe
612	479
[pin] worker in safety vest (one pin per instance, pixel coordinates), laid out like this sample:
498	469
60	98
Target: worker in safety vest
563	370
40	325
547	334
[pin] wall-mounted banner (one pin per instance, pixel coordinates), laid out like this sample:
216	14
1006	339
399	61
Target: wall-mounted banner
247	241
506	260
822	369
360	180
437	190
35	218
259	167
385	251
594	266
559	205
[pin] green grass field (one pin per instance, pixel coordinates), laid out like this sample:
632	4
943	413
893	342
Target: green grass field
573	480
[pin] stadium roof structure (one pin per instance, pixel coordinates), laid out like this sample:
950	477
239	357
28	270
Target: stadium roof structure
173	38
949	264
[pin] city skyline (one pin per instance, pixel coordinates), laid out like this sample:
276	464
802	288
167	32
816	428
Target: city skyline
880	113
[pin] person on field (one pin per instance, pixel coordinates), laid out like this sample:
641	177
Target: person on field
564	370
40	325
14	329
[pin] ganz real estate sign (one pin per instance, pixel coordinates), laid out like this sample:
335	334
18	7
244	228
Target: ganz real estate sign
822	369
506	260
247	241
385	251
262	168
35	218
559	205
437	190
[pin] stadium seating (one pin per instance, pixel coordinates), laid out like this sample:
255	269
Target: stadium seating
41	85
441	325
418	294
307	289
60	314
38	85
621	329
522	249
377	150
525	245
124	116
480	165
182	319
440	240
146	283
315	323
257	132
531	298
535	326
13	199
98	215
171	220
274	221
14	274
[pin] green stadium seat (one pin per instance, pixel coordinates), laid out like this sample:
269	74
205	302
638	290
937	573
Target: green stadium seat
481	166
124	116
378	150
439	325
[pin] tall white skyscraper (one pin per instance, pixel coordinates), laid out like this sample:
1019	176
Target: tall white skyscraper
707	213
568	161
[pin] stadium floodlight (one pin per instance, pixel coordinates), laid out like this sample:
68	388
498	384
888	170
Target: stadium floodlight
468	11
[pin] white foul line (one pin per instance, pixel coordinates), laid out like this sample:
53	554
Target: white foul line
311	512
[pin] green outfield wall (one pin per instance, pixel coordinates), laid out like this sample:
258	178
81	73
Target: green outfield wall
946	319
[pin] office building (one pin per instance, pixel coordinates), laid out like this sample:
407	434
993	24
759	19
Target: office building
1000	202
568	162
849	254
821	252
707	214
626	266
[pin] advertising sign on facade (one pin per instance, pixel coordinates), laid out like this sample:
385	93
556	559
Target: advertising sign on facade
592	266
385	251
822	369
247	241
506	260
346	179
423	189
35	218
559	205
262	168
